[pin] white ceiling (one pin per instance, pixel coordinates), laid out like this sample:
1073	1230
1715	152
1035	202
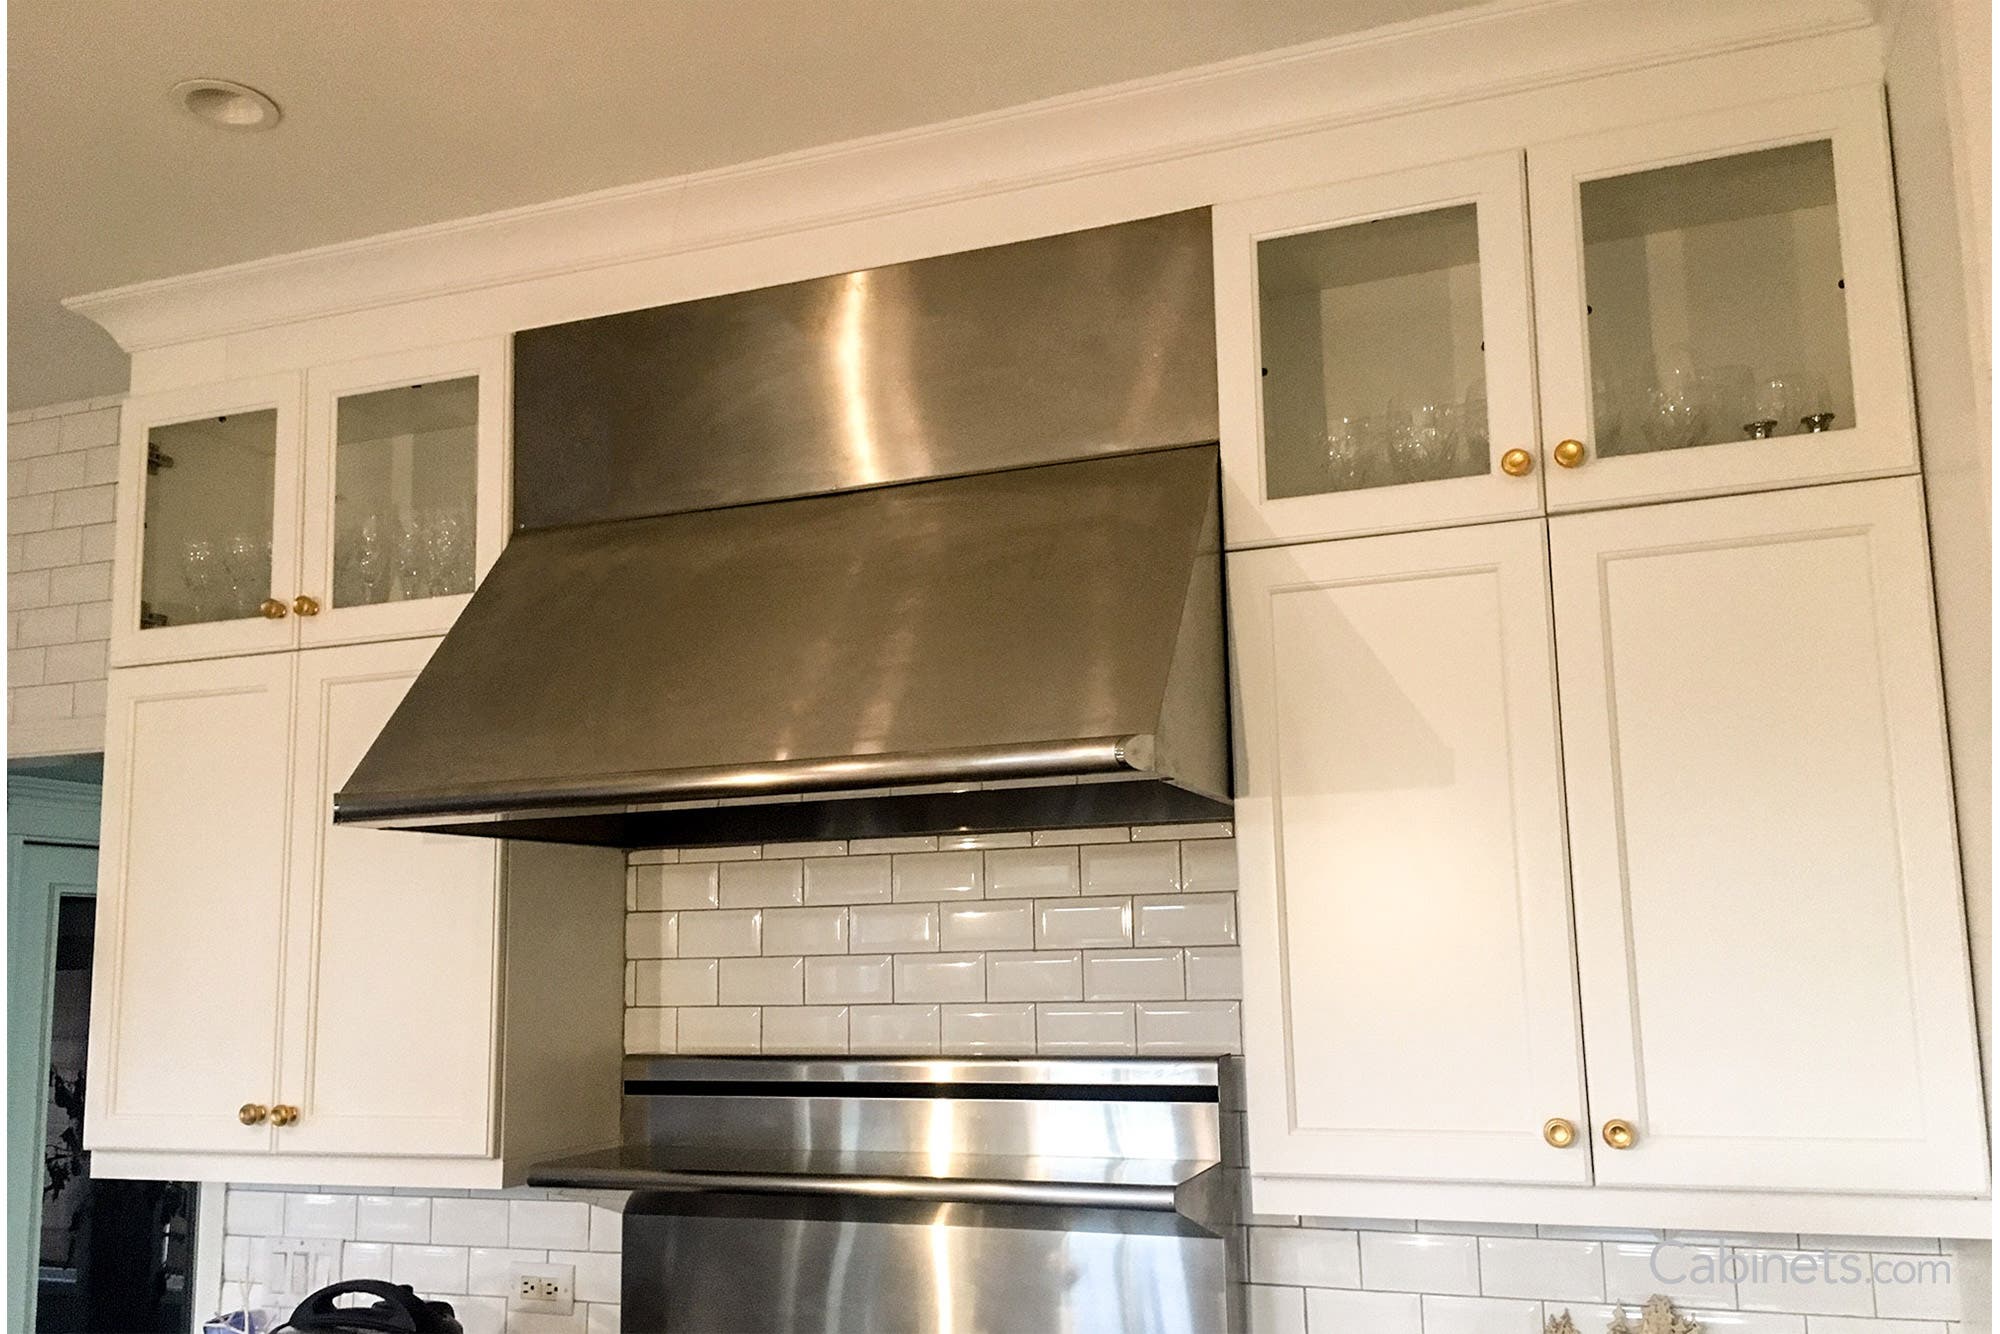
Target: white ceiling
400	113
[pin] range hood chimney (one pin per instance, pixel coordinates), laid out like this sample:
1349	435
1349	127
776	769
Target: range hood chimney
920	550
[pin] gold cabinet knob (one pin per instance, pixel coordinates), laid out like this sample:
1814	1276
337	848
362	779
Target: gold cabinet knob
1569	454
1517	463
283	1115
252	1113
1560	1133
271	609
305	606
1618	1134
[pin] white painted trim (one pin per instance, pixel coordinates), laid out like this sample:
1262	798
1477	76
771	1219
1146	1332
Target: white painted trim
211	1200
1436	62
308	1170
1611	1206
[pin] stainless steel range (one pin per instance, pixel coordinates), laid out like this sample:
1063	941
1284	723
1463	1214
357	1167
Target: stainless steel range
876	1196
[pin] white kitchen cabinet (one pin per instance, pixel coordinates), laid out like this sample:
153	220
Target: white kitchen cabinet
393	1008
358	502
1710	289
1770	931
1768	1003
1374	345
1717	307
1412	1001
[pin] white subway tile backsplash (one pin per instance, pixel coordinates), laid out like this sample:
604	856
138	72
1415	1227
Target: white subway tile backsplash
430	1268
1186	919
1033	873
602	1319
1420	1262
1152	832
719	1030
805	931
1481	1315
548	1224
1631	1274
366	1259
651	935
730	933
856	979
847	880
940	977
930	876
806	1030
607	1228
986	926
1334	1312
480	1315
1789	1280
676	981
1121	975
893	1030
1131	868
1209	866
893	927
320	1215
1273	1310
392	1218
1082	923
652	856
990	1030
1304	1257
1035	976
469	1222
1190	1028
1084	1030
766	981
650	1030
967	842
921	843
660	887
1527	1267
254	1213
742	853
1214	972
826	847
763	884
596	1275
1049	838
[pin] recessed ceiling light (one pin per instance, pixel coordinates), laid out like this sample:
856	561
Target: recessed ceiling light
233	106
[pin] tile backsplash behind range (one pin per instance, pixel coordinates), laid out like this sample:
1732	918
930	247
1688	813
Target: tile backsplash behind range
1061	943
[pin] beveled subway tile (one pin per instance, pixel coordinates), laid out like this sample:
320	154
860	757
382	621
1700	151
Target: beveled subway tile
990	1030
1209	866
1132	868
1077	1030
730	932
763	884
892	1030
1032	873
805	931
1214	972
1083	923
987	925
1049	838
651	935
847	880
851	979
940	977
1035	975
663	888
1197	1028
895	927
677	982
1133	975
719	1029
1186	919
805	1030
764	981
930	876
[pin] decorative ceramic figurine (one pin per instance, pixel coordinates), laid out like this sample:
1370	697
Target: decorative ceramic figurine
1658	1316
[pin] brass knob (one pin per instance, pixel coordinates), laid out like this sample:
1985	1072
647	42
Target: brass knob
305	606
1558	1132
1618	1134
1517	463
271	609
252	1113
283	1115
1569	454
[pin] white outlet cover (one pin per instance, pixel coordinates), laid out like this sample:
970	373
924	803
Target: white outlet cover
561	1302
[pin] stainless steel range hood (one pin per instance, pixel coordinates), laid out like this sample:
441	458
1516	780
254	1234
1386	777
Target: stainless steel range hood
1028	647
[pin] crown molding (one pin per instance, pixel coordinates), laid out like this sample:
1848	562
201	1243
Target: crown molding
1435	62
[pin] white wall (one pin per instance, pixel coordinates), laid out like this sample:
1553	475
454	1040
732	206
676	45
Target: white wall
62	465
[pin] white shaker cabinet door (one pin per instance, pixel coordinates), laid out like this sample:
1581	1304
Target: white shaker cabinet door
390	1029
184	1012
1409	985
1770	932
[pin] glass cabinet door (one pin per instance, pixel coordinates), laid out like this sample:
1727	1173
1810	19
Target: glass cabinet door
1374	354
402	489
208	522
1716	338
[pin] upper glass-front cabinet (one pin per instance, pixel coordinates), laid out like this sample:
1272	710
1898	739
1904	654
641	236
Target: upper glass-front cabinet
358	502
1374	340
1719	304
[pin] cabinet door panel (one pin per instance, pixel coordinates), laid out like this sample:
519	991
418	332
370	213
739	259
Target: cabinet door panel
1373	341
389	1029
1705	286
191	908
1771	938
1409	986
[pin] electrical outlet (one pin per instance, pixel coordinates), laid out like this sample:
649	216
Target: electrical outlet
544	1289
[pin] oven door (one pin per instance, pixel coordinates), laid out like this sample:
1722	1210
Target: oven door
702	1262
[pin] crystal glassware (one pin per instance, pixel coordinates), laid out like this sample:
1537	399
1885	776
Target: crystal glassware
1347	452
201	571
1676	402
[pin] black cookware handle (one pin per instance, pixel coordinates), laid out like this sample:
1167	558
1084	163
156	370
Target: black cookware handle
403	1314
